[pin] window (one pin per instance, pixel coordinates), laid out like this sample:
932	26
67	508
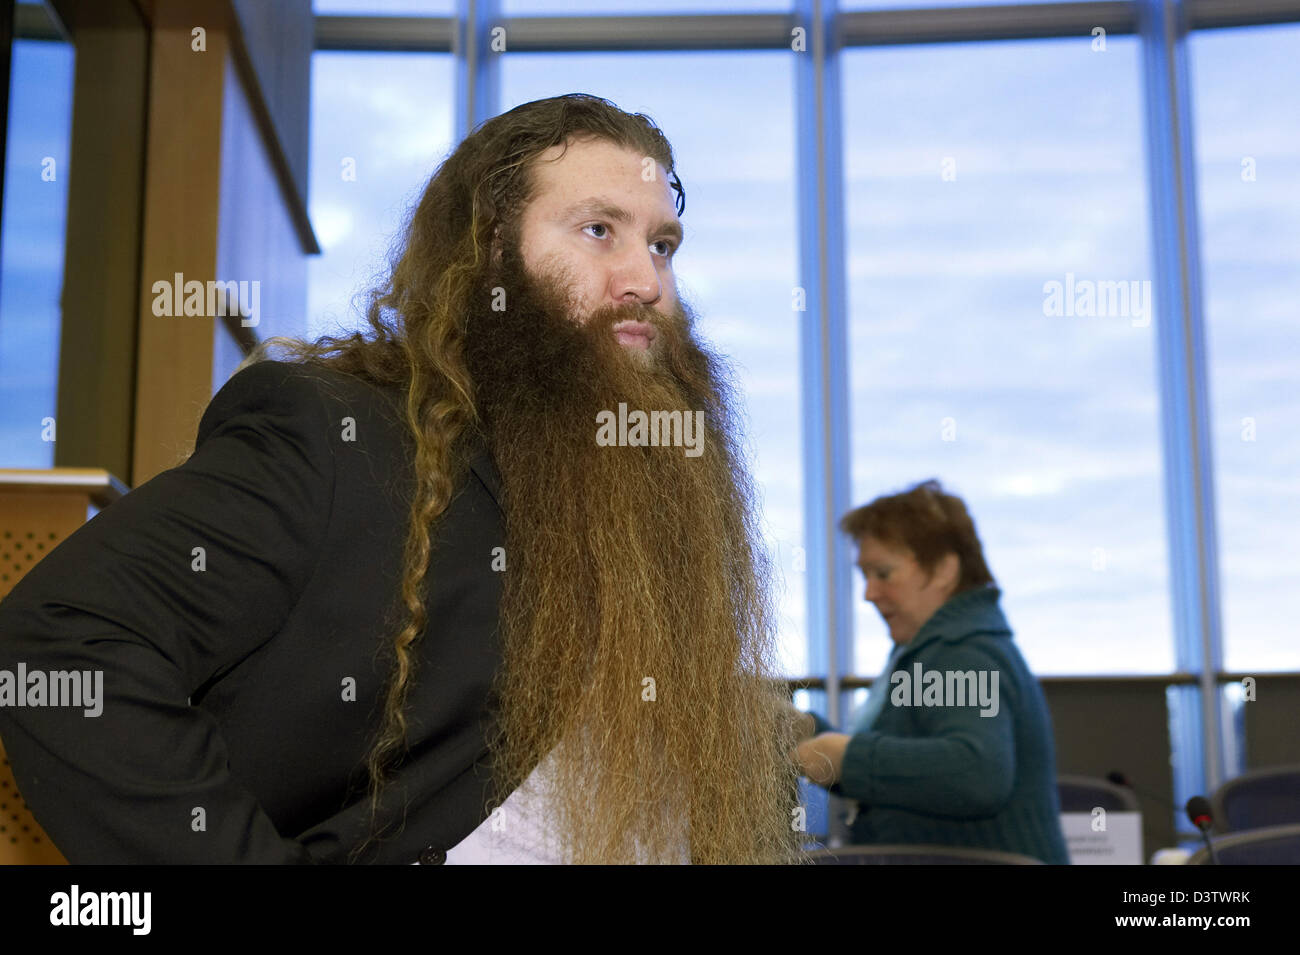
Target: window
543	8
976	176
31	260
1246	97
381	8
380	125
849	5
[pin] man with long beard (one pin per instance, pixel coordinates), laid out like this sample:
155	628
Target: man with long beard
632	695
634	589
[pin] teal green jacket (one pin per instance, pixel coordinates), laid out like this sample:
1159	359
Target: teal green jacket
931	769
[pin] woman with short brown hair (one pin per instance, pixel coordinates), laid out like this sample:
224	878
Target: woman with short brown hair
954	745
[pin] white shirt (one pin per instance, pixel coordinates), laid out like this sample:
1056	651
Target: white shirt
515	833
518	831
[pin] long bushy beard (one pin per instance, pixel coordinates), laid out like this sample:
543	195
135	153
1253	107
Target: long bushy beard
636	622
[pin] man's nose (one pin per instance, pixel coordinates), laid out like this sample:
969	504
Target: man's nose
636	279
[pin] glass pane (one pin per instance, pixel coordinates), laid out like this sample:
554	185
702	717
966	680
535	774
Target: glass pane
546	8
977	175
31	260
380	125
738	266
379	8
1246	91
912	4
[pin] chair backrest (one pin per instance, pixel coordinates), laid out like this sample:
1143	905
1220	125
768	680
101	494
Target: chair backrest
917	855
1274	845
1258	799
1086	793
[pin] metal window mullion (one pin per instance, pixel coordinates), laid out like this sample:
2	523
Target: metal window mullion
822	346
1188	471
478	68
758	31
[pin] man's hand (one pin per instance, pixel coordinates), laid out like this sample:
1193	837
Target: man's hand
821	758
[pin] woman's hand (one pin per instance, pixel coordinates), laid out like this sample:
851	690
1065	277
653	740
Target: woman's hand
805	726
821	758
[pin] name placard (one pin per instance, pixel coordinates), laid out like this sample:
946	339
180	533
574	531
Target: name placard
1103	838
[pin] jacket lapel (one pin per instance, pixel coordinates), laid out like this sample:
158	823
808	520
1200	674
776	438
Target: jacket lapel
481	463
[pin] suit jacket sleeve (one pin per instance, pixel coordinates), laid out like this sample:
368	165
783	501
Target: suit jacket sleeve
131	594
961	766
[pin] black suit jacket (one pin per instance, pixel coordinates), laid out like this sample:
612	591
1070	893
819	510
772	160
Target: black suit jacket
243	682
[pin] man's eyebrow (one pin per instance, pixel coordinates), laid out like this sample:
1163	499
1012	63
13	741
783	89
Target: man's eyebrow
606	209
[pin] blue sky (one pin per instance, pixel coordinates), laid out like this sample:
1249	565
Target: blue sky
31	247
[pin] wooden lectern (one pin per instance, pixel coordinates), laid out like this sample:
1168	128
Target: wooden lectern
38	509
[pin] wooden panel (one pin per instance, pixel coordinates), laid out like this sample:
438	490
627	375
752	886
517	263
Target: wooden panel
1273	722
32	522
31	525
182	186
100	299
1102	726
22	840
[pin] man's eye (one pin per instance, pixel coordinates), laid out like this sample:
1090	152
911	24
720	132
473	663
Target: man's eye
668	247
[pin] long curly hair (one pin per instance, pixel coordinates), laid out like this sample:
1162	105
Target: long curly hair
417	323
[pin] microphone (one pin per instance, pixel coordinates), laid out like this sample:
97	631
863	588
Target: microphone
1198	811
